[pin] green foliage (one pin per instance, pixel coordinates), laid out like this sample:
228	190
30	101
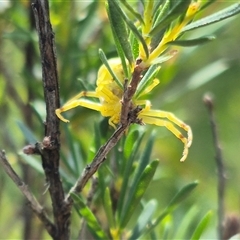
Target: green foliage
216	17
120	34
91	220
202	226
136	197
134	175
105	62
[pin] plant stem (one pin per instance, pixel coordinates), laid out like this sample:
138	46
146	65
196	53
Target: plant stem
219	163
50	155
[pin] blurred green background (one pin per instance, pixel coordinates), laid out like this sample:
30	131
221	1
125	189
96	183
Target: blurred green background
81	28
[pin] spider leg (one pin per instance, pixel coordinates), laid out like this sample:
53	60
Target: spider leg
152	117
75	102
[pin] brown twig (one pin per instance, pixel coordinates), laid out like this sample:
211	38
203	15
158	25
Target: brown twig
33	203
219	163
129	91
50	155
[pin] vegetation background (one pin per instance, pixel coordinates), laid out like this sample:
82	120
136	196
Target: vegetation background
81	28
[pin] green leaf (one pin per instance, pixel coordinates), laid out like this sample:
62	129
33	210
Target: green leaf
182	194
202	226
145	217
105	62
33	162
108	208
72	162
145	157
144	160
160	9
192	42
119	30
135	45
97	133
216	17
132	137
179	197
34	107
28	134
145	179
128	168
89	217
131	26
187	220
159	15
137	15
164	57
175	12
146	80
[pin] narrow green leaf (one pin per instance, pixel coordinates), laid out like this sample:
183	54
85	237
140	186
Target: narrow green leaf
137	15
216	17
166	226
182	194
121	55
27	133
164	57
135	45
128	168
108	208
145	179
162	6
145	157
72	161
145	217
132	137
143	162
102	185
188	218
202	226
33	162
148	76
35	108
192	42
90	218
97	134
175	12
105	62
179	197
119	29
159	15
131	26
153	224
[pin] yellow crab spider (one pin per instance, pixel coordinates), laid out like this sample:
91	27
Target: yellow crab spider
110	95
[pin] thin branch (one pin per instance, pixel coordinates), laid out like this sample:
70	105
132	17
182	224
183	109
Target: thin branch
97	161
33	203
219	163
129	91
50	155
